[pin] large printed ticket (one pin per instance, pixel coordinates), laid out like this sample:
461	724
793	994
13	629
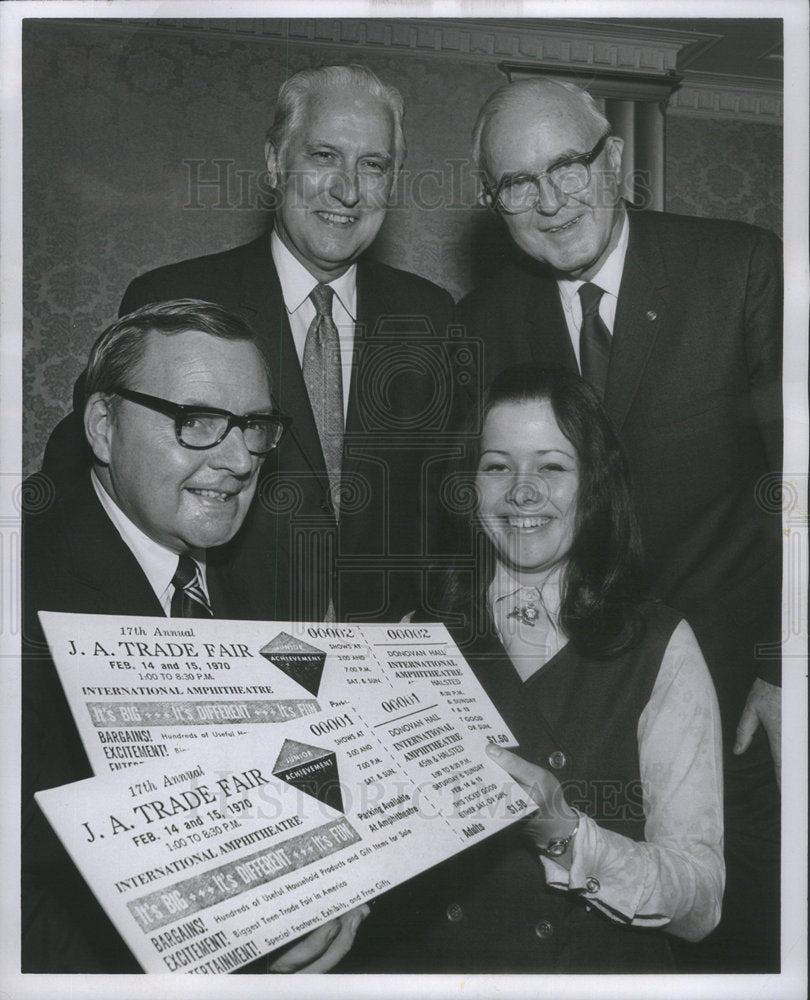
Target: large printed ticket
146	688
327	764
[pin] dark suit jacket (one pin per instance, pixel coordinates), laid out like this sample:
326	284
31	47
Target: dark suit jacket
73	560
404	388
694	393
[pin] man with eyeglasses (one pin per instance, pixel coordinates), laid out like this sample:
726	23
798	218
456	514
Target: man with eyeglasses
179	416
677	323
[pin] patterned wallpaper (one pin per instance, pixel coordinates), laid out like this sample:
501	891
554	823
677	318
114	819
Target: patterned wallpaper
142	147
725	169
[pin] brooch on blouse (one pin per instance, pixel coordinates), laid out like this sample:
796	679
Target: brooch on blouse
527	613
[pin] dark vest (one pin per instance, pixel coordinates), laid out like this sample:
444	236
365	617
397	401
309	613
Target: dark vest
489	909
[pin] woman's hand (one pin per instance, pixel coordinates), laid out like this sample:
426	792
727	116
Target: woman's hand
323	948
554	819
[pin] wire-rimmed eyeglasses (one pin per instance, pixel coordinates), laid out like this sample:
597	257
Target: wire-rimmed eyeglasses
516	193
202	427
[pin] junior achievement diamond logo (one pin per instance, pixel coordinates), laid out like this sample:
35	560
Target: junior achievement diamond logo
299	660
312	770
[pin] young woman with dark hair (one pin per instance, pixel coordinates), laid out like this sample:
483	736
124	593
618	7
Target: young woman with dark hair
608	697
602	567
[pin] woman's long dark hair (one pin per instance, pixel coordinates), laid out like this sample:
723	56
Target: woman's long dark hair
601	584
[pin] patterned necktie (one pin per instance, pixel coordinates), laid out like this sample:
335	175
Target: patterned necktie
324	382
594	339
188	600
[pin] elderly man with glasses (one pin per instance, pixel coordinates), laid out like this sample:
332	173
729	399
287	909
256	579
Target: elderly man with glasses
676	322
174	473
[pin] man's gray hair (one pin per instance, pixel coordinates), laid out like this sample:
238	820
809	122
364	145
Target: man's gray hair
295	93
523	90
116	355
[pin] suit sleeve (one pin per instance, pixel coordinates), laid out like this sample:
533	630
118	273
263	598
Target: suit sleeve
136	295
763	346
763	341
67	454
63	928
210	279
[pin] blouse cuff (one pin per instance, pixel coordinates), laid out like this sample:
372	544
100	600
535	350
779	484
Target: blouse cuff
605	871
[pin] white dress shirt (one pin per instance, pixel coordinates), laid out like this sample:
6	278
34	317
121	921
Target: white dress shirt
296	285
674	878
157	562
608	278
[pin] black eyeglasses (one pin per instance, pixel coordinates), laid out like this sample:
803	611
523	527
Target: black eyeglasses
516	193
201	427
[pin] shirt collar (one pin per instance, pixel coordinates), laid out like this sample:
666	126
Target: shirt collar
609	275
526	619
157	562
297	283
505	584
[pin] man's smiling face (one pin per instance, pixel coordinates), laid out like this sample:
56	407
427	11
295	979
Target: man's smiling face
182	498
573	233
334	176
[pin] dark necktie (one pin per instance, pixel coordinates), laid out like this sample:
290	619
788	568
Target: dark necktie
324	382
594	339
188	600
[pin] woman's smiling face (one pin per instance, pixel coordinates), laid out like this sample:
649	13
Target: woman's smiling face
527	482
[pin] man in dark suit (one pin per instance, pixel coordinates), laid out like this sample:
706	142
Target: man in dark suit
178	415
677	323
367	375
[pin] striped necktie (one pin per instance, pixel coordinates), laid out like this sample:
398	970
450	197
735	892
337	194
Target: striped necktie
189	599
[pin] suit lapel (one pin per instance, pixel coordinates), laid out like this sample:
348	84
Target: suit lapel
103	561
640	315
262	301
544	326
230	596
371	304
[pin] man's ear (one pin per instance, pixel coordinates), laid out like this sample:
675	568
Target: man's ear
99	423
271	158
615	145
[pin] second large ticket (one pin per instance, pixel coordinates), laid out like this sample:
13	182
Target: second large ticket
205	861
